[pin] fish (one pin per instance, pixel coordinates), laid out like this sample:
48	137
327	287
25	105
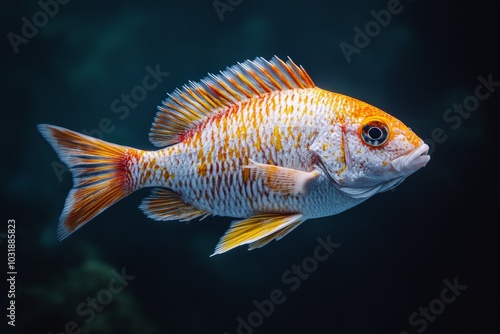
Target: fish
259	142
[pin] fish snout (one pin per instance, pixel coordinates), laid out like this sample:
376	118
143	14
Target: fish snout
412	161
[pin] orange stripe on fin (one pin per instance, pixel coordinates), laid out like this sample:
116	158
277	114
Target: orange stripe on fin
100	175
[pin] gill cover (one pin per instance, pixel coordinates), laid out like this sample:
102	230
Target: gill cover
329	147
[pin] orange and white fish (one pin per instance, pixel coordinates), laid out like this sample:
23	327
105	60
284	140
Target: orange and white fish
258	141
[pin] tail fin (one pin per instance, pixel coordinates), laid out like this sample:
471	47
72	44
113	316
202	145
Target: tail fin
100	175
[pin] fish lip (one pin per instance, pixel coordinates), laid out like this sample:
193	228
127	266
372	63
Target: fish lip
413	161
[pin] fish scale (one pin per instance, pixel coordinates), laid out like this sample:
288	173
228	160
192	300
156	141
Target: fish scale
258	141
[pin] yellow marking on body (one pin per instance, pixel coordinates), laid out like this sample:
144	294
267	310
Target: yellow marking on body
166	176
145	177
274	107
246	175
242	131
202	169
209	155
226	136
257	143
156	168
267	106
277	134
197	136
245	159
325	146
260	114
297	142
152	162
253	121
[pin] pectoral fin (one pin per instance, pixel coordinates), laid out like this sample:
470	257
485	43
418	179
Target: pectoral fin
281	179
257	231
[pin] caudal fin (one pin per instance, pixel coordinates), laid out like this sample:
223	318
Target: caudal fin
100	175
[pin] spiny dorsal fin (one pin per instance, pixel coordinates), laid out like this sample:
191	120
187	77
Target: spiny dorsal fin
197	100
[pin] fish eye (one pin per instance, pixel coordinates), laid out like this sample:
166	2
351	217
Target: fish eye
375	132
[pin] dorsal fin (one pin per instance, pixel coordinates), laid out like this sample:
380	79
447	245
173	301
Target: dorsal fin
198	100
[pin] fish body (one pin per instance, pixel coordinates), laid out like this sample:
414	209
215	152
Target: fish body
259	142
210	166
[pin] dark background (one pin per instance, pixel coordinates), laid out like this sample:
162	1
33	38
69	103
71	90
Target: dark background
396	249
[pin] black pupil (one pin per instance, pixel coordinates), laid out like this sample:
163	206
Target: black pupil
375	133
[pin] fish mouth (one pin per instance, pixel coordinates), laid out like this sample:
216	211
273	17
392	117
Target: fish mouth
413	161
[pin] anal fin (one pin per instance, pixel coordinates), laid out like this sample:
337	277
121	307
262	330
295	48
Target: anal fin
281	179
274	236
257	231
164	204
